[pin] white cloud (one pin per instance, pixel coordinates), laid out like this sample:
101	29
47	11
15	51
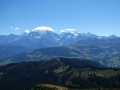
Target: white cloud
14	28
67	30
17	28
43	28
62	31
27	31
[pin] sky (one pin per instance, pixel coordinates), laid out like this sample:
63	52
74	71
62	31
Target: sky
100	17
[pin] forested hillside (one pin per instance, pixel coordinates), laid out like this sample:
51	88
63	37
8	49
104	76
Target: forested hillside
67	72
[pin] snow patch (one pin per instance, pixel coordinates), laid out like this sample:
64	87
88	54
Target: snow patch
75	34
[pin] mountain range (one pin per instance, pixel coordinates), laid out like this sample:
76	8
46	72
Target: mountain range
44	39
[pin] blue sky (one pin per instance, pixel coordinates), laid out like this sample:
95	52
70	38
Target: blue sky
101	17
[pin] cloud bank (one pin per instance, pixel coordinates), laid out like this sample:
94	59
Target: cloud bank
62	30
43	28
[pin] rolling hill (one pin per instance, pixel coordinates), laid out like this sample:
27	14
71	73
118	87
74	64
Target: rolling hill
104	51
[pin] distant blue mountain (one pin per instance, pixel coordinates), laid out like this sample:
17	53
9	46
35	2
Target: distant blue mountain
43	39
10	50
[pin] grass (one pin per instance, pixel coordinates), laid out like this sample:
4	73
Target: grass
49	87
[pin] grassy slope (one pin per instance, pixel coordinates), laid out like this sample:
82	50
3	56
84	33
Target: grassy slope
56	87
49	87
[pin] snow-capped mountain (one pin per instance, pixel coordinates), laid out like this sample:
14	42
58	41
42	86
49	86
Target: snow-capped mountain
43	39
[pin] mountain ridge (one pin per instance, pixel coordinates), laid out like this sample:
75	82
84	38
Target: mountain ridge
44	39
